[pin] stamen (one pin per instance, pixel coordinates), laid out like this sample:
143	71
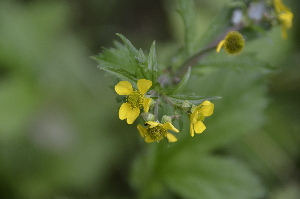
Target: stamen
136	99
156	133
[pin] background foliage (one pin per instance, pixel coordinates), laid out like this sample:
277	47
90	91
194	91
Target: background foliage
60	136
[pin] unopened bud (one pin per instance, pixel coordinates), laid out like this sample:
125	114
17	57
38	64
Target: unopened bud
148	116
165	119
186	105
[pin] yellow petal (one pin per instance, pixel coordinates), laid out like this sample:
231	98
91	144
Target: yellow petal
192	129
143	85
148	140
199	127
146	104
124	88
220	45
279	6
207	108
286	19
171	137
123	111
142	130
170	126
132	115
194	116
152	124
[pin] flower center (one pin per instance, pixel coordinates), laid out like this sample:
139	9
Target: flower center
136	99
200	117
156	133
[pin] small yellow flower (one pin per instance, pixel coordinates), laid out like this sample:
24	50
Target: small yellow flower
233	43
205	109
285	17
156	131
135	99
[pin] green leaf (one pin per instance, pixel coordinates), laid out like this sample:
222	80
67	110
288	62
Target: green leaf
187	12
218	28
192	98
240	112
117	57
121	73
152	64
210	177
243	61
182	83
137	57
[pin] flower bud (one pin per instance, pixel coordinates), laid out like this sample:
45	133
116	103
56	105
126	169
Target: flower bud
165	119
148	116
186	105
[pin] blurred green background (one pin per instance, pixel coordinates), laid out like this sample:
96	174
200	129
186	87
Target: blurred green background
60	136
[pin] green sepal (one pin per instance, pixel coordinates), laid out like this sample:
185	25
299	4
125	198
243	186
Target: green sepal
121	74
180	87
121	98
192	98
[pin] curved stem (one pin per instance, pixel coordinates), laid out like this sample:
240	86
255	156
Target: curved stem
193	60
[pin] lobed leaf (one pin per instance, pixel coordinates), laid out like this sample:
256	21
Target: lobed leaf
152	64
137	57
121	74
117	57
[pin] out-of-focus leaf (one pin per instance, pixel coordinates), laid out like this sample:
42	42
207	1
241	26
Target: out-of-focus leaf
218	28
187	12
210	178
290	191
180	87
243	61
152	64
18	103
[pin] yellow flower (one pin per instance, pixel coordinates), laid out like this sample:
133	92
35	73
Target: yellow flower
285	17
156	131
233	43
135	99
205	109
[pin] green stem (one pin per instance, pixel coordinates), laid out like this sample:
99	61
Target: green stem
193	60
156	108
168	100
